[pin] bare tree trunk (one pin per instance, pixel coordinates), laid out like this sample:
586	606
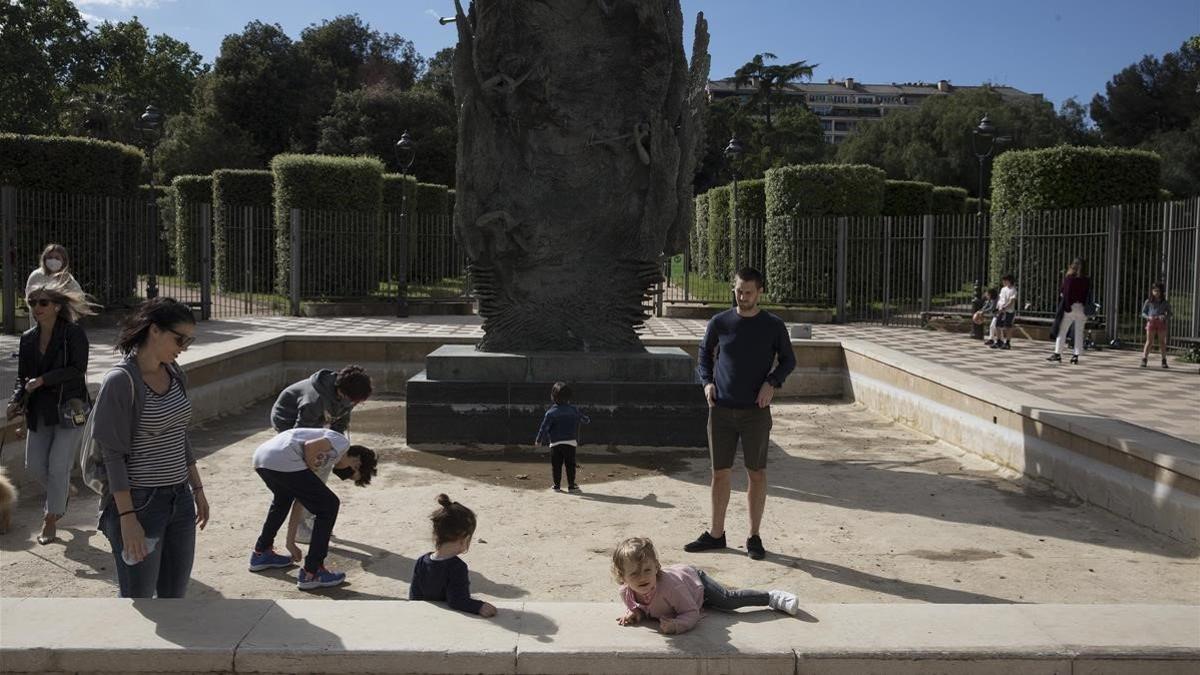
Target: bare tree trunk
578	124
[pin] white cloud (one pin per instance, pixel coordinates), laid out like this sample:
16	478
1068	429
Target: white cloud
122	5
92	19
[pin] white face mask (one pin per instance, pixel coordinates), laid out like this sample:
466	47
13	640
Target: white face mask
53	264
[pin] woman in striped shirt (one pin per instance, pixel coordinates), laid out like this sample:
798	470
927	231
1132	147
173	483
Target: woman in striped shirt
155	498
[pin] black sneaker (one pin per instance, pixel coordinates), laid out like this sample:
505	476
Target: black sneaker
754	548
1054	357
997	345
1007	345
705	542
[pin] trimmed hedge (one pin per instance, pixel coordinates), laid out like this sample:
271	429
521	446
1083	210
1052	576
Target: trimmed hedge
1063	177
243	230
907	198
748	244
949	200
700	236
431	199
810	191
973	205
450	199
720	262
190	193
341	198
68	164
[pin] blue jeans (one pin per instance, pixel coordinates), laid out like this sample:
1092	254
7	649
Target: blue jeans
49	454
169	515
719	597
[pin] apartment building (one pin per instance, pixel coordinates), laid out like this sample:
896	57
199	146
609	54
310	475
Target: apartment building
845	104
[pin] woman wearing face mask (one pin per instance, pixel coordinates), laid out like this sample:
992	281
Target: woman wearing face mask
53	271
154	498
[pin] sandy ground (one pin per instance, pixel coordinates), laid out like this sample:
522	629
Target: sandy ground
860	510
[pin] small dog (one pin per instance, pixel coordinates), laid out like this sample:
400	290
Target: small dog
8	499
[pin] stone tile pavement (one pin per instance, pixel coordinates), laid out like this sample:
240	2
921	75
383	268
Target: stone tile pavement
1108	383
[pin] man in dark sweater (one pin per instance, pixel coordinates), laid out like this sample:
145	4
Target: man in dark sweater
740	375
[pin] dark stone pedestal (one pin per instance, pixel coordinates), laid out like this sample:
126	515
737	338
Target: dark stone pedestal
465	396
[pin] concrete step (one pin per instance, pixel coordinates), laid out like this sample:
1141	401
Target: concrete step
305	636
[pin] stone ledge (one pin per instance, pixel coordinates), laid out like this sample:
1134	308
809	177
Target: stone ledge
301	636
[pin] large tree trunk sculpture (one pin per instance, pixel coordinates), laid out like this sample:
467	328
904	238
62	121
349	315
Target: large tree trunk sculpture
578	130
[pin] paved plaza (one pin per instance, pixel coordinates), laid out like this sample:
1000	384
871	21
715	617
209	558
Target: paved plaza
1108	383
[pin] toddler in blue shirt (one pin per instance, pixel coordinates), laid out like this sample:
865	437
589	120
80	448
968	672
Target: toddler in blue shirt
560	428
441	575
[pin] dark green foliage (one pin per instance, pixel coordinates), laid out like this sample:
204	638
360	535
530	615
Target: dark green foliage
450	195
396	187
799	192
949	200
66	164
192	193
932	143
341	198
1151	97
720	263
700	237
431	199
1063	178
748	242
243	230
907	198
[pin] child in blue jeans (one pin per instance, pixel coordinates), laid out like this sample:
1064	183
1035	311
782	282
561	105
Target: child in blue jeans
560	428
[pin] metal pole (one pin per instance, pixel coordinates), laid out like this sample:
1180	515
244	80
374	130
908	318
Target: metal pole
156	228
977	329
1112	279
206	261
733	235
7	214
402	262
927	263
1195	332
248	291
294	282
840	290
887	266
687	276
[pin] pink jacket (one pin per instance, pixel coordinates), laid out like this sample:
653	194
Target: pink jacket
678	597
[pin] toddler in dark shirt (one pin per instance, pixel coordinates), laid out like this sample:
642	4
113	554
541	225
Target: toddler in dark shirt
441	575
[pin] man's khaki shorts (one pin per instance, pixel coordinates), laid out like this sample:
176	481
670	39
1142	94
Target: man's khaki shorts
726	426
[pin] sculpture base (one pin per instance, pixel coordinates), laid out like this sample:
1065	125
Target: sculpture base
466	396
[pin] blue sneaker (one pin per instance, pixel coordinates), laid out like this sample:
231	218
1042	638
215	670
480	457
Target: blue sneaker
265	560
322	578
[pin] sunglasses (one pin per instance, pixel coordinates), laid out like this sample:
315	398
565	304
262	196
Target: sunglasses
182	340
40	302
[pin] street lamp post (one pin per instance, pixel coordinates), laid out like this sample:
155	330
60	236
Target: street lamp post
406	154
733	152
150	124
983	143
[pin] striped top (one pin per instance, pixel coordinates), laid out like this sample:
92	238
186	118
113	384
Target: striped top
158	456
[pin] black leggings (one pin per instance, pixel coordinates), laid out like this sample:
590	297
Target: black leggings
560	454
303	486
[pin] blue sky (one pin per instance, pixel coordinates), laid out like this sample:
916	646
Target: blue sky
1060	48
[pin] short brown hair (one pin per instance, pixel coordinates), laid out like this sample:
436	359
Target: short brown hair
354	382
62	253
560	393
636	550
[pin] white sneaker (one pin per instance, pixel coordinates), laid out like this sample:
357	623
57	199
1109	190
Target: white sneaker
782	601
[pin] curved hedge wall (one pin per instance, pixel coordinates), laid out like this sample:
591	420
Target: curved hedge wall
700	236
720	263
797	192
243	230
68	164
907	198
1064	177
332	191
949	200
190	193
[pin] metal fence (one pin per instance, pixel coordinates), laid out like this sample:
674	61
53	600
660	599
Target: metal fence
229	262
903	270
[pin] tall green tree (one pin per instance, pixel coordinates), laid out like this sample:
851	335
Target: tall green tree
439	75
43	52
768	79
795	138
369	121
355	55
129	70
1150	97
932	142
